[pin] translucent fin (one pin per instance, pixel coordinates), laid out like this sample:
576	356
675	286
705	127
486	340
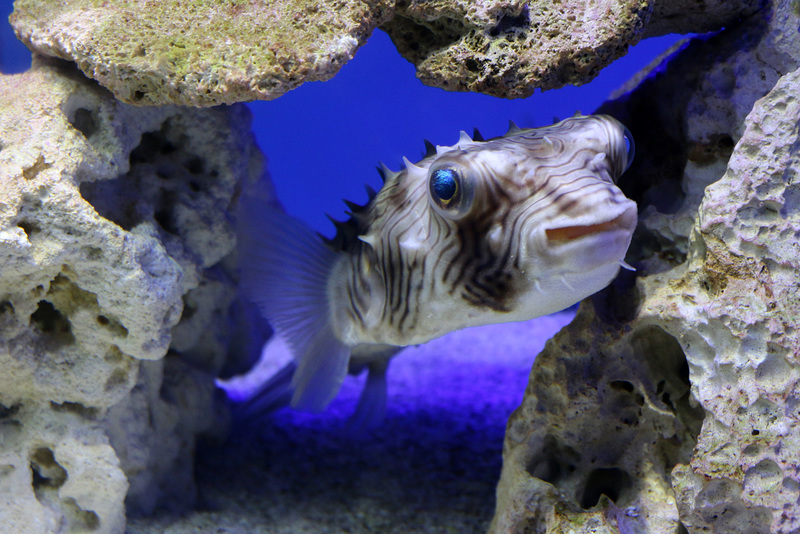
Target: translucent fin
273	394
372	404
285	269
512	129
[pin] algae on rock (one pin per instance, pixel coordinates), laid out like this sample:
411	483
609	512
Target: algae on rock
200	53
111	217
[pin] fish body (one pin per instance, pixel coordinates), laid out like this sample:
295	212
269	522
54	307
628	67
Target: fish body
475	233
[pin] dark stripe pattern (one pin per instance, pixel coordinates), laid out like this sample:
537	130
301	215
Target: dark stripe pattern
415	273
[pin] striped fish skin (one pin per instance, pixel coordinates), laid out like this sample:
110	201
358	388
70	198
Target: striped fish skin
536	224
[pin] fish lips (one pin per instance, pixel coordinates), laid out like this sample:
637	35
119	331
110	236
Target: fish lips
592	244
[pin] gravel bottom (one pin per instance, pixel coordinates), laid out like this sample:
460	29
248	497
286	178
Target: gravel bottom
431	467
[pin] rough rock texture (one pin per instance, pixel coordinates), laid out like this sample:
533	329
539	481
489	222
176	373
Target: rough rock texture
114	224
212	52
509	48
703	332
200	53
734	307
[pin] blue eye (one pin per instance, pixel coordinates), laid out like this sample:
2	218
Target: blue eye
630	147
444	185
451	190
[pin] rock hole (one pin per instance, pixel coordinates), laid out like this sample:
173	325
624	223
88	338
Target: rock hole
752	450
6	307
138	95
7	412
195	165
164	216
117	379
611	482
84	121
665	357
189	309
75	408
509	23
30	228
93	253
51	322
554	463
47	473
81	520
621	385
33	171
113	326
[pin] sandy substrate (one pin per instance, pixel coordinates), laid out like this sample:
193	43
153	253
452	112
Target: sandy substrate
431	467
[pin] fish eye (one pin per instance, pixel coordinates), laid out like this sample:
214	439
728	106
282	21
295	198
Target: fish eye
444	185
449	191
630	147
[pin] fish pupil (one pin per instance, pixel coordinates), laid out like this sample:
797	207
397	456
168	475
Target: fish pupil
444	184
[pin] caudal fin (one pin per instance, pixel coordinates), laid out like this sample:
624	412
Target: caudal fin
285	269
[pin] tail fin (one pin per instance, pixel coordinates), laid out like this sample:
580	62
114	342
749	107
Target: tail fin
285	269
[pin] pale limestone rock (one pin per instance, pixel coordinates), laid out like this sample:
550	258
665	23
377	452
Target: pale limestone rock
734	307
509	48
200	53
681	386
58	473
115	231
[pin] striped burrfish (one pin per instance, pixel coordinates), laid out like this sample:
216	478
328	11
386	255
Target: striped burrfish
480	232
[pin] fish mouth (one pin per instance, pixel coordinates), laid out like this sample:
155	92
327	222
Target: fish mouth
571	233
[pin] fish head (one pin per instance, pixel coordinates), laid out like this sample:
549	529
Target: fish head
486	232
535	219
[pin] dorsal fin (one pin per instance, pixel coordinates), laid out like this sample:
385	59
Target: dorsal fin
476	135
512	129
463	138
430	149
410	166
354	208
371	193
385	172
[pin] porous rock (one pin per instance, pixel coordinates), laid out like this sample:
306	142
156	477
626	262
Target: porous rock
671	401
200	53
509	48
115	232
735	310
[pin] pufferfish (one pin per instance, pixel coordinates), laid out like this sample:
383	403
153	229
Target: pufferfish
480	232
